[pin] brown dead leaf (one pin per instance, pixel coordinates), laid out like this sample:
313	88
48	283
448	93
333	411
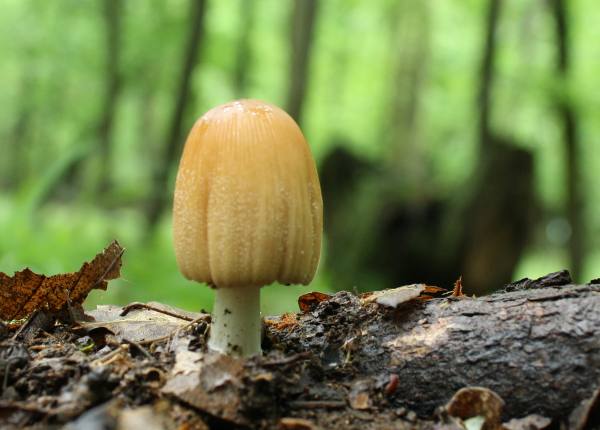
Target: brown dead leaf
431	292
140	324
27	292
458	288
434	291
470	402
307	302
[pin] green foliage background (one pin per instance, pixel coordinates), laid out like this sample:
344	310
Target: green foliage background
52	70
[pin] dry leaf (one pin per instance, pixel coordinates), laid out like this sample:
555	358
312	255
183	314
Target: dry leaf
27	292
434	291
458	288
139	324
396	296
471	402
307	302
393	297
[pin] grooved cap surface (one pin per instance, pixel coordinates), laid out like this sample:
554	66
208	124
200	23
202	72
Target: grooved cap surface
248	209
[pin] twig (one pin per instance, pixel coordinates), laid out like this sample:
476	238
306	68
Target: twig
287	360
38	347
140	348
110	355
22	406
317	404
6	372
139	305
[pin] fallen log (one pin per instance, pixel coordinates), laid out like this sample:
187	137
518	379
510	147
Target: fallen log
539	348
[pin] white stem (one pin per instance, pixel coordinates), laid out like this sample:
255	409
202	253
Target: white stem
236	324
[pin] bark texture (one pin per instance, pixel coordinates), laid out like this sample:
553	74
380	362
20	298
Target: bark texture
539	349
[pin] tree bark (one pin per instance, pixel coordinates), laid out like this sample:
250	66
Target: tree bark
303	21
538	348
159	194
570	136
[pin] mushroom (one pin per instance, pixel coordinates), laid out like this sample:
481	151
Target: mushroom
247	212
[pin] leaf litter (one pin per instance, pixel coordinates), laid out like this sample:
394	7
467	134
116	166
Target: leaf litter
146	365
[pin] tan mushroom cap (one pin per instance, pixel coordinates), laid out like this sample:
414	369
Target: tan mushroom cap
248	209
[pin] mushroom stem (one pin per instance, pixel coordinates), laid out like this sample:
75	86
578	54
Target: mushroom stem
236	323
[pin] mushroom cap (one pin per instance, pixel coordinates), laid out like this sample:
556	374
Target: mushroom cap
248	209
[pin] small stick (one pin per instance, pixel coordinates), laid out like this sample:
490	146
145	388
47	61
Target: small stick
22	406
38	347
110	355
138	305
6	372
140	348
317	404
287	360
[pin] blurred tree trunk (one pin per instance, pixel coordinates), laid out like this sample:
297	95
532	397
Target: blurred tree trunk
406	236
502	206
487	73
113	31
159	192
16	163
410	40
303	21
570	136
244	51
103	129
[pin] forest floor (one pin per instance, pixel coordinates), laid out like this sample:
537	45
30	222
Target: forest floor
146	366
329	366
